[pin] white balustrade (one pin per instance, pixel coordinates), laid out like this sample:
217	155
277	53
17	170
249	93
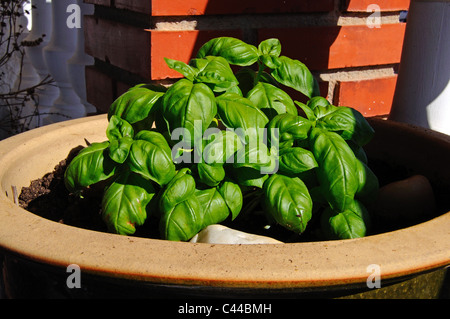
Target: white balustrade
41	27
80	59
29	77
61	48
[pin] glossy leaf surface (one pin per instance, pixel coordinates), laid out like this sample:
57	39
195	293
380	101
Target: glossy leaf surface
136	105
288	202
232	194
189	106
296	75
151	157
210	174
214	207
235	51
271	100
337	168
124	203
296	160
181	211
237	112
351	223
90	166
215	72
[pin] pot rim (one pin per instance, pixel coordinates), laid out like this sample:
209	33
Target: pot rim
399	253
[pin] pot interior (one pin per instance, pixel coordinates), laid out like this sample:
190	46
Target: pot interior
399	151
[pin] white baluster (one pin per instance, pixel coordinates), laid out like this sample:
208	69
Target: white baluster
80	60
29	76
60	49
41	27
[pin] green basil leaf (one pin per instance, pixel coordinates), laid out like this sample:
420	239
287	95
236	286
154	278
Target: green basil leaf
215	72
237	112
210	175
296	75
337	170
247	77
188	71
270	47
307	110
320	106
120	134
183	221
181	186
191	107
136	105
248	176
150	86
151	157
181	211
124	203
235	51
288	202
90	166
232	194
215	210
351	223
269	51
296	160
235	89
118	128
271	100
290	127
119	149
349	123
255	155
267	78
272	62
222	148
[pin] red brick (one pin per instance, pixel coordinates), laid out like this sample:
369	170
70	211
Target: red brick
122	45
370	97
178	45
204	7
142	52
332	47
385	5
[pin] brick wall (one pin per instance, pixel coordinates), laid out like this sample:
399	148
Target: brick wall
352	52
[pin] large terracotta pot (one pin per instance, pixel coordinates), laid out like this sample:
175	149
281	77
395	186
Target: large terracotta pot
36	252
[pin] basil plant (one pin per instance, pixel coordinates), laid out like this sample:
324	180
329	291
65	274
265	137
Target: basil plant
221	140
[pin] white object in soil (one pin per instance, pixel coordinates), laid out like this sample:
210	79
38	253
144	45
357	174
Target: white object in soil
218	234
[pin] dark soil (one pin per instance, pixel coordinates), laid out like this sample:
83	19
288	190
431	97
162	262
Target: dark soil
49	198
